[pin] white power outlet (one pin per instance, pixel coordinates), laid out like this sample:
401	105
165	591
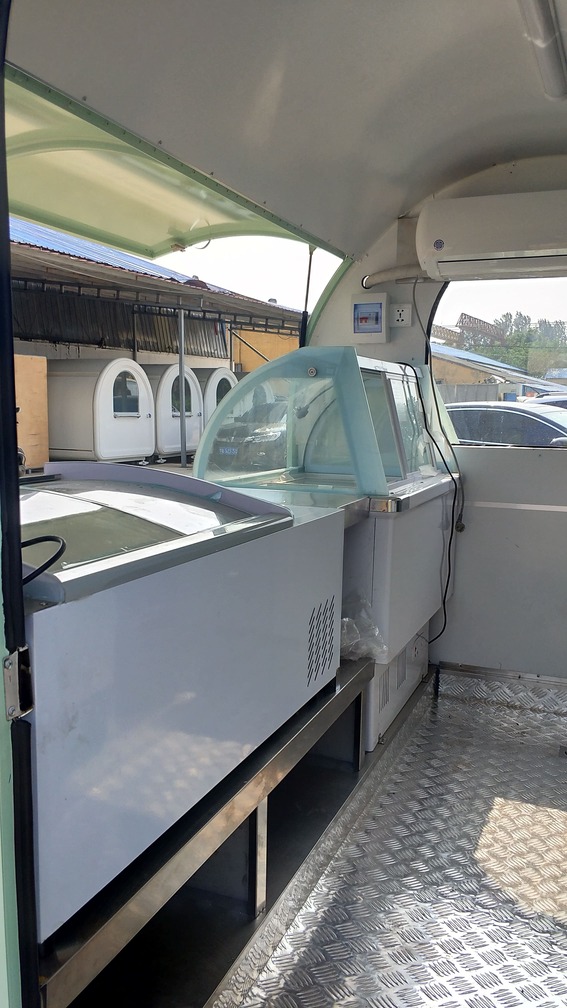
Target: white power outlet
400	315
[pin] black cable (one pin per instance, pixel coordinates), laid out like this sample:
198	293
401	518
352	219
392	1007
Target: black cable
434	308
50	560
453	506
456	519
429	361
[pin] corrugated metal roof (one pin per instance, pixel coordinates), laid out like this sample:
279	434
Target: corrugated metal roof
488	364
39	236
442	350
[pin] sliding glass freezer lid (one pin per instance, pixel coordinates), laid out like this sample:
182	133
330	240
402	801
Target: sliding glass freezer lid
101	520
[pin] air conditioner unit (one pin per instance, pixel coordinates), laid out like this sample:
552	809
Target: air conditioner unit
494	237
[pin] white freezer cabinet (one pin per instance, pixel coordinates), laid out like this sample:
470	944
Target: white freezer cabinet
183	624
392	685
397	560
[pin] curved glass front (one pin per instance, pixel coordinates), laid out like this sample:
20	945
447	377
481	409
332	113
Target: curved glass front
319	418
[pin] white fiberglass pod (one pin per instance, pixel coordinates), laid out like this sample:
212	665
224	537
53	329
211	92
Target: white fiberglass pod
215	383
164	380
100	409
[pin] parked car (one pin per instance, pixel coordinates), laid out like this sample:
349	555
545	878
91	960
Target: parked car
553	398
254	441
532	424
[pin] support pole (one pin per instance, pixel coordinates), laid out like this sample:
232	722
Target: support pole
305	313
182	428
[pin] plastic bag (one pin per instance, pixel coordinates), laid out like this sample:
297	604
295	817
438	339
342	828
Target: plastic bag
360	636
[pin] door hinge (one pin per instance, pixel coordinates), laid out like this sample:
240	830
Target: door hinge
18	684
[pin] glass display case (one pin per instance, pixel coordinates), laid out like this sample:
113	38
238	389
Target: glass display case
322	419
323	427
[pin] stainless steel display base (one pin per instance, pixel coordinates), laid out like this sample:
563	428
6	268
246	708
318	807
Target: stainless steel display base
442	881
84	947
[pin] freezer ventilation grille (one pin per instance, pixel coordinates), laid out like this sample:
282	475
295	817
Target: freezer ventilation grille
321	635
384	695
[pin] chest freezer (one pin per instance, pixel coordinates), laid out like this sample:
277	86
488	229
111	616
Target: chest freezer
182	625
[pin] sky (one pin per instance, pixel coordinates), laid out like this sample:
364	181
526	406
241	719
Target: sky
267	268
490	299
262	268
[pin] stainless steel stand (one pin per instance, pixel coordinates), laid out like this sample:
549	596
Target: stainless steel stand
84	947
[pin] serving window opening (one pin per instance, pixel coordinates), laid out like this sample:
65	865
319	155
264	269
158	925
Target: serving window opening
499	361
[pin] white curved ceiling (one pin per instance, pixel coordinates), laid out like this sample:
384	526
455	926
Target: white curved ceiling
336	116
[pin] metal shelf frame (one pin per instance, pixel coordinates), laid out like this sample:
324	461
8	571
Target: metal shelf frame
81	950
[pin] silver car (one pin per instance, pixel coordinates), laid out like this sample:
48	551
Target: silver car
532	424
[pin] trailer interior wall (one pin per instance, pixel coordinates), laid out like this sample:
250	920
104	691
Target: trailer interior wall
508	610
508	607
393	256
333	325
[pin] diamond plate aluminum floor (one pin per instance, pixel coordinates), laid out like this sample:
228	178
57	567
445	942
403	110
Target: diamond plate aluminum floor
444	880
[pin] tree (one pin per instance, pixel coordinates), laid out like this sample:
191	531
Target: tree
515	340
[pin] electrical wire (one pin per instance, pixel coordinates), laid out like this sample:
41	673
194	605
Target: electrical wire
453	508
50	560
457	508
429	361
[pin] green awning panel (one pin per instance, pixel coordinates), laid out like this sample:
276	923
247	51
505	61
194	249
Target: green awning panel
70	169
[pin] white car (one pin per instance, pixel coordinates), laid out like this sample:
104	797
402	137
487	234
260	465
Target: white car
532	424
553	398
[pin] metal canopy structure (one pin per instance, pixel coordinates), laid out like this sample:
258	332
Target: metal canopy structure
336	118
75	170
